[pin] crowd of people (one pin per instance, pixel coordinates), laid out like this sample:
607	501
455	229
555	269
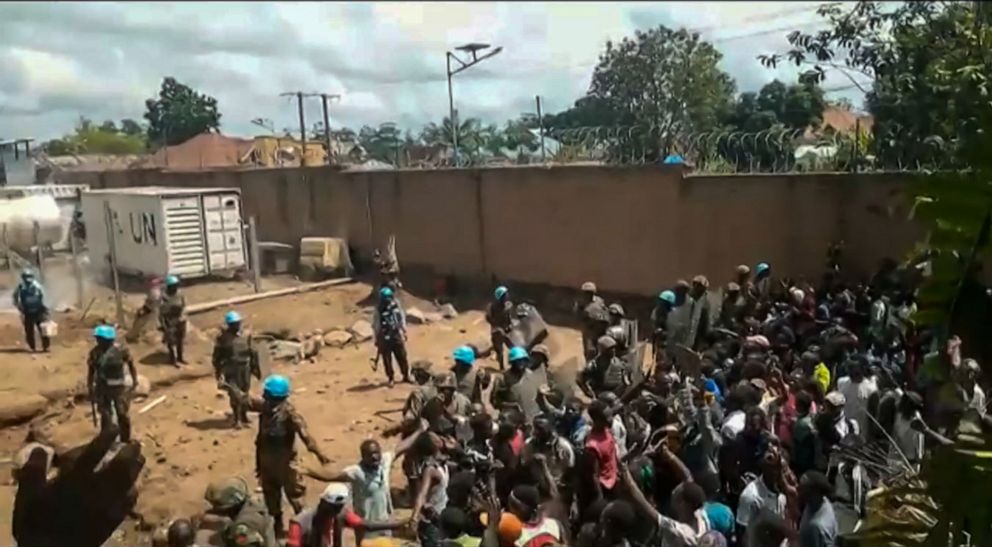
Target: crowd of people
757	414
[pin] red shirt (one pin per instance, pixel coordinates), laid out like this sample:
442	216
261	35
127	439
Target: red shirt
602	445
517	443
300	528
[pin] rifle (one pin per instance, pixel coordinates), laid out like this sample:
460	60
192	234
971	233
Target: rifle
93	408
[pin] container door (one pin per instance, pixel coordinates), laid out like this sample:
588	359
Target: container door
184	226
225	239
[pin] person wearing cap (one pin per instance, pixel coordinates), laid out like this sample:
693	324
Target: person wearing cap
389	326
235	361
424	391
518	386
734	307
172	319
29	299
442	411
279	424
323	525
594	316
699	312
540	359
499	315
105	380
606	372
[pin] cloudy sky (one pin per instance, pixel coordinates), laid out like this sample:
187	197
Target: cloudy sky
102	60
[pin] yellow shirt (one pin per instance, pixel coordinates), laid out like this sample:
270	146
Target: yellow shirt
822	375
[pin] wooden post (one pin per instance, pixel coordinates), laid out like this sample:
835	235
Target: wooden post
77	271
7	251
39	257
256	261
112	243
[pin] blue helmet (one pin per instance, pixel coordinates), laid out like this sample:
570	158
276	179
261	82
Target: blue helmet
232	317
276	386
105	332
667	296
386	292
501	291
518	353
171	280
464	354
762	267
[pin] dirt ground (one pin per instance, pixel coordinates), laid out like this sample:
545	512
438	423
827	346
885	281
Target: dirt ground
187	439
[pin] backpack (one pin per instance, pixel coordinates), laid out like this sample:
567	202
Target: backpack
110	367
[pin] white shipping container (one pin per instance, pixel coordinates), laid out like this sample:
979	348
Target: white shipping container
189	232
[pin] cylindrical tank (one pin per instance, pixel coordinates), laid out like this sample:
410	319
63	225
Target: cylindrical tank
18	217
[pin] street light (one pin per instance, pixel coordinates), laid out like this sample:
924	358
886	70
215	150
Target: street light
473	49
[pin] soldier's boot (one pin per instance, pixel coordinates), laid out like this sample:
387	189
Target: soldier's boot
179	354
172	355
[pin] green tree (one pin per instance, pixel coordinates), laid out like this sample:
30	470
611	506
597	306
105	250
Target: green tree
667	80
90	139
131	127
925	60
179	114
382	143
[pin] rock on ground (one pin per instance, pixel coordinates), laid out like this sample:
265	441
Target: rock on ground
415	317
448	311
144	386
362	330
18	408
337	338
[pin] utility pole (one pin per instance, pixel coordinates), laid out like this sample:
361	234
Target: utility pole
324	97
540	125
303	127
472	49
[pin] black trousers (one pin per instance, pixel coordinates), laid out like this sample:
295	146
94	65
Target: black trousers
32	322
390	348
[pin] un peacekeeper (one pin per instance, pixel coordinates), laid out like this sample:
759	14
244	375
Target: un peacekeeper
235	362
239	518
29	299
606	372
278	426
172	318
105	380
518	387
469	380
499	315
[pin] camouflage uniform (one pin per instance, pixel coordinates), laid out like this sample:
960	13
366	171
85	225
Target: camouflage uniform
172	318
499	315
105	380
235	362
251	526
275	453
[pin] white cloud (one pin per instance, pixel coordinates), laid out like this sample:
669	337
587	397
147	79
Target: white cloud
101	60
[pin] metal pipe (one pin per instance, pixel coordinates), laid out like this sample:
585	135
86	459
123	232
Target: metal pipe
540	125
451	114
327	126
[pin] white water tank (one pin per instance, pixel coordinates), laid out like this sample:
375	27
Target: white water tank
19	215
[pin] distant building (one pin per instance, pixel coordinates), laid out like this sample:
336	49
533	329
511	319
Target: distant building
16	165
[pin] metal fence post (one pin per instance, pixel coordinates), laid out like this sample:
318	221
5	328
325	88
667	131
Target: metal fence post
112	243
256	262
77	272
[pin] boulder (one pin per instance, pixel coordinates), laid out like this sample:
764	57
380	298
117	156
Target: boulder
284	350
433	317
21	408
362	331
416	317
448	311
337	338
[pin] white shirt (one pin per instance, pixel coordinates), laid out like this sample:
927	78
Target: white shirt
619	431
857	395
372	497
756	497
733	424
679	534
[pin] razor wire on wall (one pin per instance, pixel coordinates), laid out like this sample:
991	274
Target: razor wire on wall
770	151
